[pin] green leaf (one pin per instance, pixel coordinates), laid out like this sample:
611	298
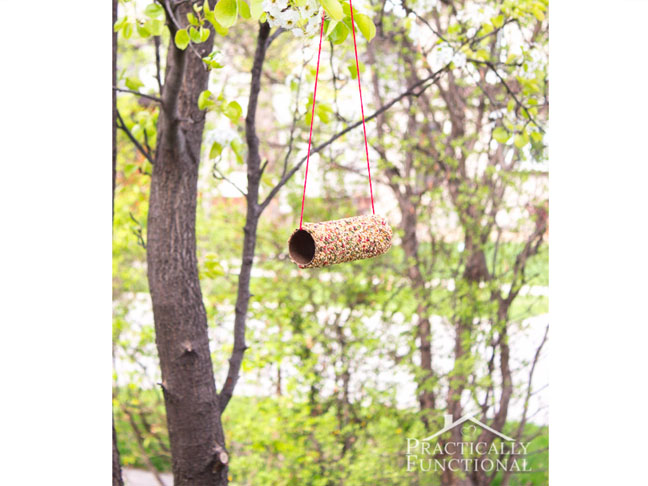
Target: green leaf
366	26
120	23
521	140
182	39
340	33
194	35
127	30
213	268
133	83
482	55
324	112
536	136
501	135
217	27
143	31
203	100
233	111
333	8
204	34
191	18
454	28
329	26
211	61
225	12
256	9
237	147
353	70
136	131
154	10
216	150
156	26
498	21
244	9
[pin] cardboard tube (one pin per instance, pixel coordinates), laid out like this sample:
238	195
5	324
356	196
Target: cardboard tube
342	240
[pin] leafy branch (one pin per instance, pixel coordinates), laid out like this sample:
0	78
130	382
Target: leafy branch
122	126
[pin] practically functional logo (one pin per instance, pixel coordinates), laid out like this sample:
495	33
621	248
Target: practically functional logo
472	453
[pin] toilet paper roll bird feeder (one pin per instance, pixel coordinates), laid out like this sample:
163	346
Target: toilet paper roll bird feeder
343	240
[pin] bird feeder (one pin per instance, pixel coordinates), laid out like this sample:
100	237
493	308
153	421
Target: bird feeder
343	240
339	241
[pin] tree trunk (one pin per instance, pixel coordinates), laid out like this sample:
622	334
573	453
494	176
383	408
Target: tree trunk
192	405
114	106
116	465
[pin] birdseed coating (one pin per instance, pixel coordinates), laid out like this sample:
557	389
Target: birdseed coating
348	239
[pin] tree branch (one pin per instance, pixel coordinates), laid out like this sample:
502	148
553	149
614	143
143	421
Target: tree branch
122	126
274	35
509	90
415	90
137	93
217	174
251	220
158	70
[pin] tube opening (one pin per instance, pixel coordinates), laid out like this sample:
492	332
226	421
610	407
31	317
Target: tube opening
301	247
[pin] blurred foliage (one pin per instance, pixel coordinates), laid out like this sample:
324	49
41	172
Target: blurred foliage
328	348
282	442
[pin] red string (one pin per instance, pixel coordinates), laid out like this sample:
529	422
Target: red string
364	129
310	135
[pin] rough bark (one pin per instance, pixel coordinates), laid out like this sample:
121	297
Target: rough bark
192	406
114	106
116	462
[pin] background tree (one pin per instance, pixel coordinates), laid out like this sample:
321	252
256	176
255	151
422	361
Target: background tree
458	150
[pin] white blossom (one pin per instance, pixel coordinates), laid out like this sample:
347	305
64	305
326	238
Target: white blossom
459	59
272	20
314	24
301	21
309	9
440	56
272	6
289	19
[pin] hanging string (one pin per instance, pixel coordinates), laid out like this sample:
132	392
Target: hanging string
364	129
310	135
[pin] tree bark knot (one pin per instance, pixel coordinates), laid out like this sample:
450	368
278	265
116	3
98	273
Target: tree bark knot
220	458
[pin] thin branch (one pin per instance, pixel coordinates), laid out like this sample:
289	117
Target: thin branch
251	221
217	174
274	35
408	10
137	93
294	122
158	70
176	26
122	126
137	231
140	443
529	393
148	147
509	90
